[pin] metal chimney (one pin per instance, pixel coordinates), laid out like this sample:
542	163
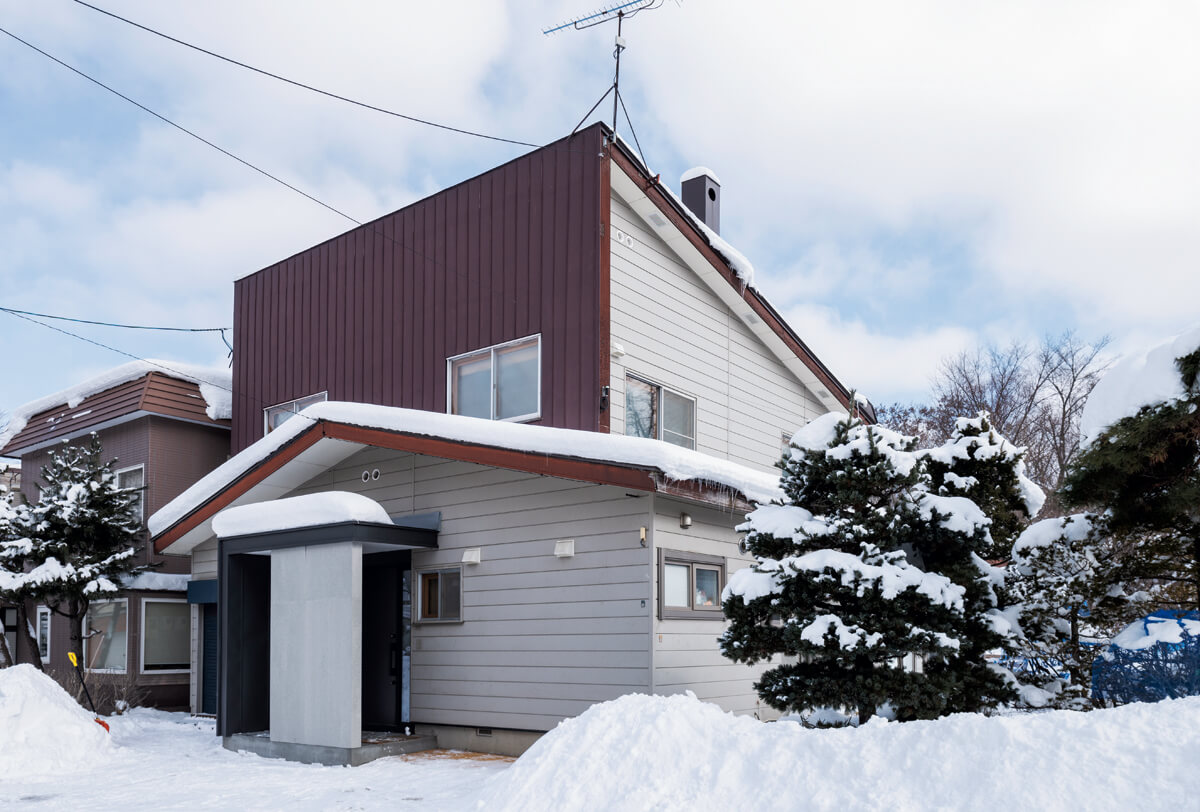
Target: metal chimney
701	192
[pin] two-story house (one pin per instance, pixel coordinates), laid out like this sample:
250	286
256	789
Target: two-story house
552	392
166	425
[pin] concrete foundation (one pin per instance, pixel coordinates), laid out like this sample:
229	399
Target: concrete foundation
497	741
261	744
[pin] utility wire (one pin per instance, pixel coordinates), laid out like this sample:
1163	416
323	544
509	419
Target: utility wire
304	86
114	324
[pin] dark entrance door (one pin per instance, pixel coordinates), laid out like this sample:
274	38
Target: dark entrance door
385	639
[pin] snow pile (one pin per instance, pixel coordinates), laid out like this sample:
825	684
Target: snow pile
1136	381
310	510
1149	631
680	464
677	753
216	387
42	729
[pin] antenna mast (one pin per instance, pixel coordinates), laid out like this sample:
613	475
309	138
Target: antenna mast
618	12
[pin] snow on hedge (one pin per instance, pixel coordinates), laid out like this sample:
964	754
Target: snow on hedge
677	753
310	510
1149	631
1137	380
680	464
42	729
216	387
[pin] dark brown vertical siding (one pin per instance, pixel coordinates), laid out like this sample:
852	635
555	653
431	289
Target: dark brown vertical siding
373	314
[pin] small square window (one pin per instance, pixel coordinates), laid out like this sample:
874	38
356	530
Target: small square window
690	585
275	416
439	595
166	635
497	383
658	413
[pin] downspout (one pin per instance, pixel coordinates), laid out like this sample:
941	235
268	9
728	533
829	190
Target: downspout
653	570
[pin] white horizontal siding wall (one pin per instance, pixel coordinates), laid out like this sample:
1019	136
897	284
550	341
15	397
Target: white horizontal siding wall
686	654
543	638
677	333
204	561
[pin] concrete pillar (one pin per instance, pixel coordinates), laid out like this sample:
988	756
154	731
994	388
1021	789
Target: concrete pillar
316	645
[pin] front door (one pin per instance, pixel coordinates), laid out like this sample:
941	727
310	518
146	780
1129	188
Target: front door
385	640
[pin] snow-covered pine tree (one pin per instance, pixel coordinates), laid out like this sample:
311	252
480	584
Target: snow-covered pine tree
978	463
82	535
838	584
14	547
1144	471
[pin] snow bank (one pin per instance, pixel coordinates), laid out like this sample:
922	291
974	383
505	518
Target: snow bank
216	387
310	510
677	753
681	464
1135	381
42	729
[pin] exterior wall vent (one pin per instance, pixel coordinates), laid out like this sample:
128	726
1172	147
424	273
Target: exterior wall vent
701	192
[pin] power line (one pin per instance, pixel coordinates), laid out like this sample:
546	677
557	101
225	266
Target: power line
329	94
114	324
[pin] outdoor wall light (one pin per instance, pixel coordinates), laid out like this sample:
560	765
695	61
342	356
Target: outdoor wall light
472	555
685	520
564	548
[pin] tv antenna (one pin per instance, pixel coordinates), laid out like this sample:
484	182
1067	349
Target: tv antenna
614	11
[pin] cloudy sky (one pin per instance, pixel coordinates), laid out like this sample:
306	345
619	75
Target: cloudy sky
909	179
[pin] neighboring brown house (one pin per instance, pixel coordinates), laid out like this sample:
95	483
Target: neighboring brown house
481	351
166	425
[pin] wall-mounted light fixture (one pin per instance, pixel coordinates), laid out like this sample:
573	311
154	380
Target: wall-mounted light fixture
564	548
685	520
472	555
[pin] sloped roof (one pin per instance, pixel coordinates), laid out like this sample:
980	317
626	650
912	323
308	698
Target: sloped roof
180	391
327	433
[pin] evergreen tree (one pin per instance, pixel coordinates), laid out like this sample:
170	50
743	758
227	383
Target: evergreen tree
978	463
80	538
841	585
14	548
1144	470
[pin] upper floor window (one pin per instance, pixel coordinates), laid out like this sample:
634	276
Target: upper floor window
658	413
133	479
276	416
503	382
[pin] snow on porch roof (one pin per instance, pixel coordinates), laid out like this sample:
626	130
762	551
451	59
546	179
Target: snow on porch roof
346	427
309	510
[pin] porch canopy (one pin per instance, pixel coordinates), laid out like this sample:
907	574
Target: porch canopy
292	621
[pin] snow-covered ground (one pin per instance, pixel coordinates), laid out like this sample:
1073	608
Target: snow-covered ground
635	753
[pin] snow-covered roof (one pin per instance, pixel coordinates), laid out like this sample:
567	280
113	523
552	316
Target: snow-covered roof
673	462
215	383
1137	380
309	510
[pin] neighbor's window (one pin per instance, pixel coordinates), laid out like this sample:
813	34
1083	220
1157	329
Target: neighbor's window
166	635
106	629
690	585
503	382
276	416
439	594
43	633
658	413
133	479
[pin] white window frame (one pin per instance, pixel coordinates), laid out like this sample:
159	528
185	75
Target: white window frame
419	594
87	638
142	489
292	403
43	610
660	389
142	640
536	337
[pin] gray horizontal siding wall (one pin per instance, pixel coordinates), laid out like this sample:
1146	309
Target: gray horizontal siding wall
542	638
676	332
204	561
686	654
